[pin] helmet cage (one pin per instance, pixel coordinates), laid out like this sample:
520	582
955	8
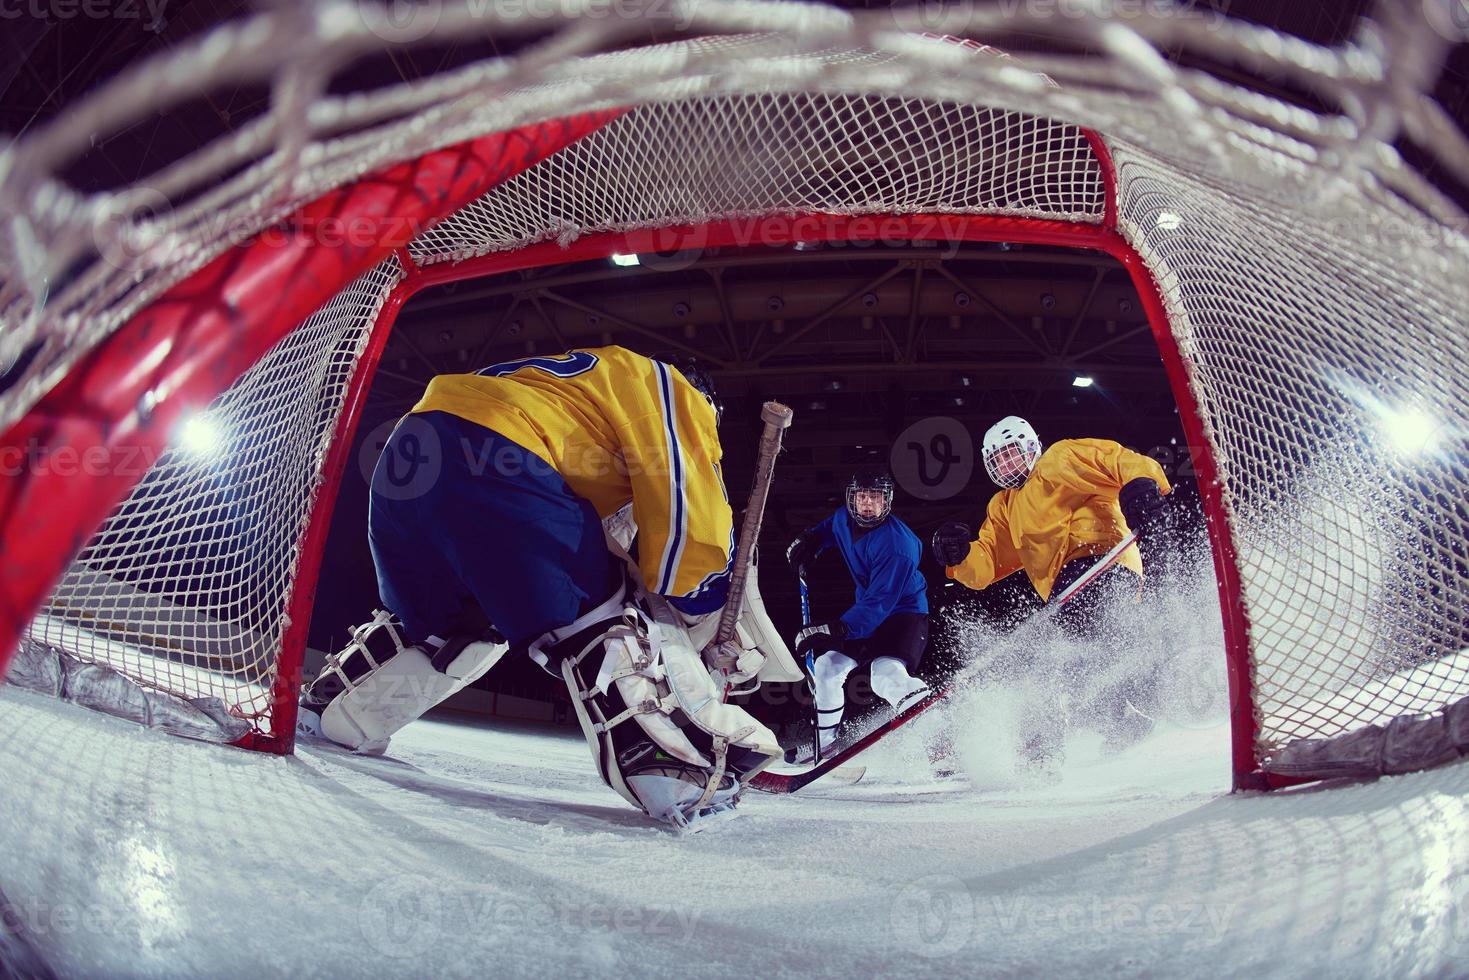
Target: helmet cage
882	484
1010	463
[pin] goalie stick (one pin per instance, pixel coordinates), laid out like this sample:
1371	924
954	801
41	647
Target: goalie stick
775	782
777	419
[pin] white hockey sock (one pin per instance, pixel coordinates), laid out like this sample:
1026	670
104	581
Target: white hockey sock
892	682
831	670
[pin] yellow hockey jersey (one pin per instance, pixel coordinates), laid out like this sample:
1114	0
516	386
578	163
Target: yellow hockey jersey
618	427
1067	508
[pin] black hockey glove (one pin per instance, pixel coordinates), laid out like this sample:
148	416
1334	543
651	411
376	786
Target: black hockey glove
802	552
819	638
1142	504
951	543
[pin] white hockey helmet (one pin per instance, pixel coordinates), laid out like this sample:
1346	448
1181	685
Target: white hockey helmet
1011	448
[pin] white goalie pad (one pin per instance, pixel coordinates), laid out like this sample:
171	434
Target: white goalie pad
755	631
764	656
366	715
665	673
642	693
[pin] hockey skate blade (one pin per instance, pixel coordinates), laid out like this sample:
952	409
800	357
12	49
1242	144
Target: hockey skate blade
668	797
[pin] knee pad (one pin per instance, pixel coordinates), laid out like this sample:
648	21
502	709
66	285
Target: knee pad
833	666
829	673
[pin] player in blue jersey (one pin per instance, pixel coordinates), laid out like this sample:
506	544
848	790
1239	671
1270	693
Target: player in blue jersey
887	625
486	524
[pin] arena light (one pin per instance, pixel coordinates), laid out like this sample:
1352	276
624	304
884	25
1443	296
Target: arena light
624	261
1412	431
1082	381
201	437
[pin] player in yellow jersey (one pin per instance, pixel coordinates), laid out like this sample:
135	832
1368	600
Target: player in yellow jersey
486	524
1058	510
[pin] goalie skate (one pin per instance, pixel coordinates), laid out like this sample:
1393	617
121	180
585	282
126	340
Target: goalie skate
379	683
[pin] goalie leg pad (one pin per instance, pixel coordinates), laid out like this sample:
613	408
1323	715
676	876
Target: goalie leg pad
687	753
378	684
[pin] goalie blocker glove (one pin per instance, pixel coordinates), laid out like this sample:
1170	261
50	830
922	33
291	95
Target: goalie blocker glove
820	638
951	543
1142	504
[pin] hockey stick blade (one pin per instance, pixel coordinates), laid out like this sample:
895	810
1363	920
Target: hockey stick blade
777	782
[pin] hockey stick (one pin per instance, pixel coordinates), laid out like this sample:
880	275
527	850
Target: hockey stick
780	782
774	782
777	419
810	665
1104	563
805	598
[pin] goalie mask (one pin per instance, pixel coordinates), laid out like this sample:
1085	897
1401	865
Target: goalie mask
695	375
869	497
1011	448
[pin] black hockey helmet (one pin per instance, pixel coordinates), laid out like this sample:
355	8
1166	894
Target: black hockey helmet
694	373
870	478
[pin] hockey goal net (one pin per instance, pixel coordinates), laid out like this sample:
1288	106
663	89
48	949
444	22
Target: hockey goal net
191	355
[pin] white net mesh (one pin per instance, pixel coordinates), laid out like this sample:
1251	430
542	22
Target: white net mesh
760	155
1306	362
1316	285
185	587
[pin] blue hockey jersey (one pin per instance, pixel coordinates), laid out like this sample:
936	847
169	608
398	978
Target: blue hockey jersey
884	566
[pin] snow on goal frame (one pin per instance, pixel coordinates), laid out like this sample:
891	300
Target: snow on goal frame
1303	285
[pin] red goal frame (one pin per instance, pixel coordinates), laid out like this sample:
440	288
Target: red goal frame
203	334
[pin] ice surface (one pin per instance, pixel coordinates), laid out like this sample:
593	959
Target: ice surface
495	852
481	852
